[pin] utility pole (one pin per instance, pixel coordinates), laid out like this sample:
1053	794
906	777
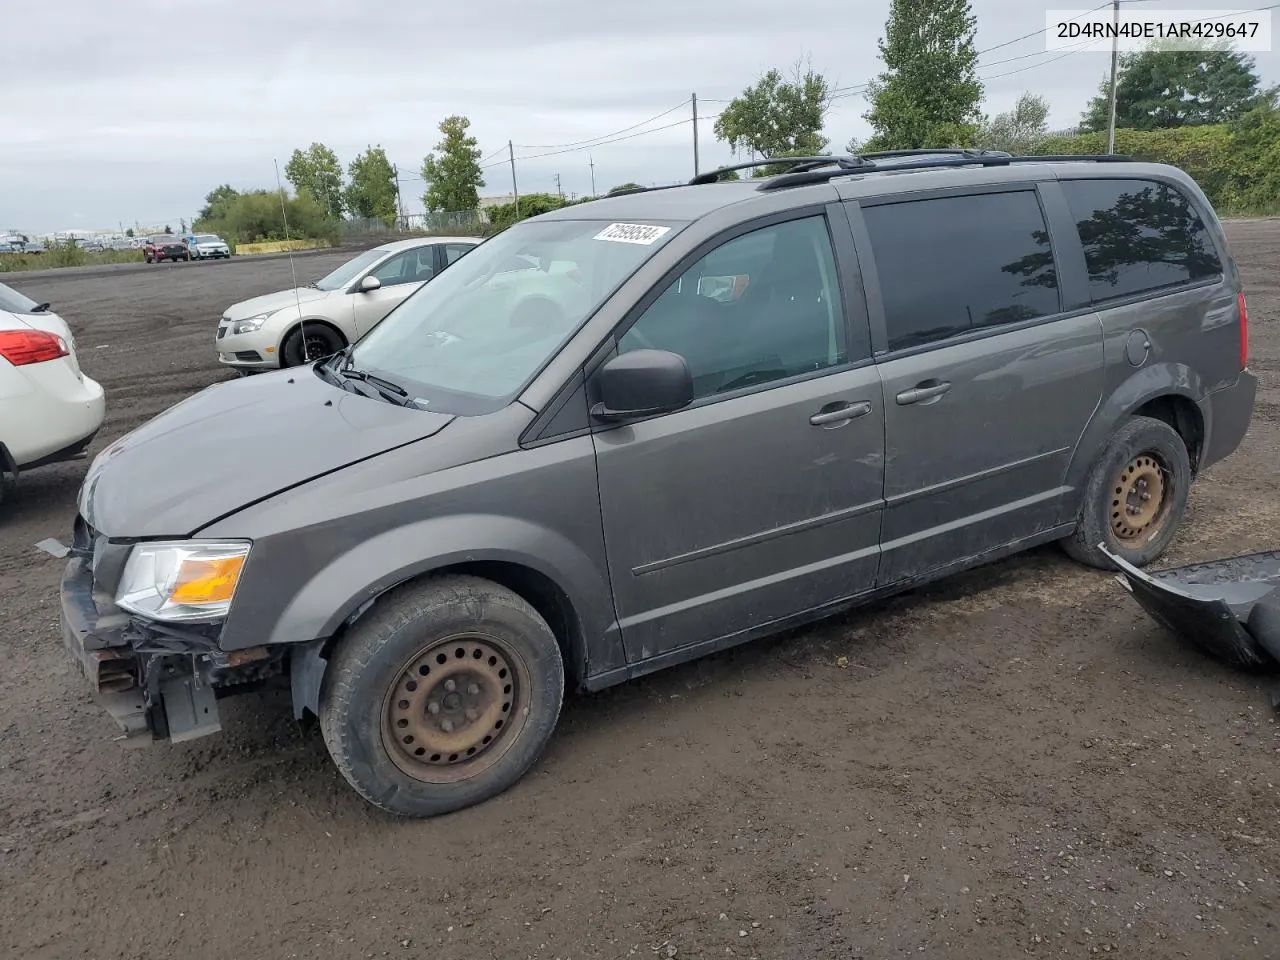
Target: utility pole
559	190
592	164
695	134
1115	52
399	201
511	152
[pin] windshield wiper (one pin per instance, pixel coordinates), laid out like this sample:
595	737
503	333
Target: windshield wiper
40	308
391	391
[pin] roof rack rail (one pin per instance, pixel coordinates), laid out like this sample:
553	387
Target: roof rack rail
815	172
800	163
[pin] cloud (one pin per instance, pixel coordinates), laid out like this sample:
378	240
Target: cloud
135	109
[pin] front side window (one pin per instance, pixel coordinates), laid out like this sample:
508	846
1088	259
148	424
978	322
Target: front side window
1139	235
399	269
952	265
763	306
473	336
344	275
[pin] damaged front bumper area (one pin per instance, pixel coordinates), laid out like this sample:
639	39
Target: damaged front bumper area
1228	608
156	681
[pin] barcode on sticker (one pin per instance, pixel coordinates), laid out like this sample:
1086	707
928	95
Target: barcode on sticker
642	233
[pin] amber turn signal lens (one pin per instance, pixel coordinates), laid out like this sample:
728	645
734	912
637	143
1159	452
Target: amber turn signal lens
207	581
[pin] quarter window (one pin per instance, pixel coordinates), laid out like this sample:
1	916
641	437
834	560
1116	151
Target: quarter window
1139	235
762	307
951	265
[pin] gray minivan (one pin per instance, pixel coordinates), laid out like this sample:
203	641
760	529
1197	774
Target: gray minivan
634	431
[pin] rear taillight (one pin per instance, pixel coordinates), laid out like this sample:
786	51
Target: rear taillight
21	347
1244	330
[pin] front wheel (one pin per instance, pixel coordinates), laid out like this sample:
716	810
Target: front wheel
1135	497
441	697
321	341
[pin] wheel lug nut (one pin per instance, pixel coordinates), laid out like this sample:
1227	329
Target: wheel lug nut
473	689
450	686
472	713
446	726
433	707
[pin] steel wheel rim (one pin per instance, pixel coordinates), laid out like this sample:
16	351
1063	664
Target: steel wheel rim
1140	499
315	346
455	707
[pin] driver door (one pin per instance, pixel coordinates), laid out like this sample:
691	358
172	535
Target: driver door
399	276
761	500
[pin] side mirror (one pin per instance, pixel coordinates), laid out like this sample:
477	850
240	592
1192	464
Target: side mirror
642	383
369	284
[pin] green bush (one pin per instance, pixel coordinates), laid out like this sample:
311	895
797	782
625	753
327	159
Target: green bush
1237	165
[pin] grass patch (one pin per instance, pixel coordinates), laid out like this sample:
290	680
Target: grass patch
65	256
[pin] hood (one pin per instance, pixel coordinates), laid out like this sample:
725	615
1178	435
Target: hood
235	443
271	302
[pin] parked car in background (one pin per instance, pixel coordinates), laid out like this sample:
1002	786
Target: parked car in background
163	247
33	246
293	326
568	462
49	410
208	246
7	246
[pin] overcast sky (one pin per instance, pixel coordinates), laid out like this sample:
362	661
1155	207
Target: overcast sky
132	110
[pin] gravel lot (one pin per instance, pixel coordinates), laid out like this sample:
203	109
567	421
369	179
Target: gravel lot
1015	762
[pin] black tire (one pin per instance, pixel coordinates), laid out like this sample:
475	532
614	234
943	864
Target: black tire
379	691
322	341
1143	447
148	259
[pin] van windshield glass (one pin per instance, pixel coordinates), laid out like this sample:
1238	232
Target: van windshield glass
477	332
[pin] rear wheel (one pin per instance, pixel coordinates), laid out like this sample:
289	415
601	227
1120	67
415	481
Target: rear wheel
442	697
321	341
1135	497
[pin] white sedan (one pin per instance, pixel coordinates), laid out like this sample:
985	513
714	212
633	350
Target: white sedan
299	325
49	410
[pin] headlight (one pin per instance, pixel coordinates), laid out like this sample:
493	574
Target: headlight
182	581
250	325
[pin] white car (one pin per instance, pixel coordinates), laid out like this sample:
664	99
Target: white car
49	410
208	246
267	332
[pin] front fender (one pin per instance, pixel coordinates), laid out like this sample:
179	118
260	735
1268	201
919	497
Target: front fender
373	566
1157	380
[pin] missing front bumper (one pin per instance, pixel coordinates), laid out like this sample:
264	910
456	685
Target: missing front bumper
150	695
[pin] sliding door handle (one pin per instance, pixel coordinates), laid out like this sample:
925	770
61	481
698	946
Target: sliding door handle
927	390
840	413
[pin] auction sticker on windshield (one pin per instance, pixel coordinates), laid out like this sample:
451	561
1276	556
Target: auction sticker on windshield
642	233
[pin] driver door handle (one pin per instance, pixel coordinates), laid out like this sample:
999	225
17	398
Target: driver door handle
840	413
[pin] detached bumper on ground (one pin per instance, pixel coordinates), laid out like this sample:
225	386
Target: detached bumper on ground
1229	608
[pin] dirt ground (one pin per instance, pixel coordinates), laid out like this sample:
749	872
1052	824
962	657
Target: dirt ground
1015	762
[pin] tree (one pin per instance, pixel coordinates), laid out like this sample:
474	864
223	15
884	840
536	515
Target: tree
168	229
777	117
128	232
318	172
454	177
1020	130
929	93
1161	88
371	193
217	201
623	186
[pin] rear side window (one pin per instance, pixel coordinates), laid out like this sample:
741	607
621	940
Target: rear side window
1139	235
951	265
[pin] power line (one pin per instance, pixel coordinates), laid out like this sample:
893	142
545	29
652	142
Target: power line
604	136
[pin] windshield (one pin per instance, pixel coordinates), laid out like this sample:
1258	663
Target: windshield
343	276
15	302
483	327
207	238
